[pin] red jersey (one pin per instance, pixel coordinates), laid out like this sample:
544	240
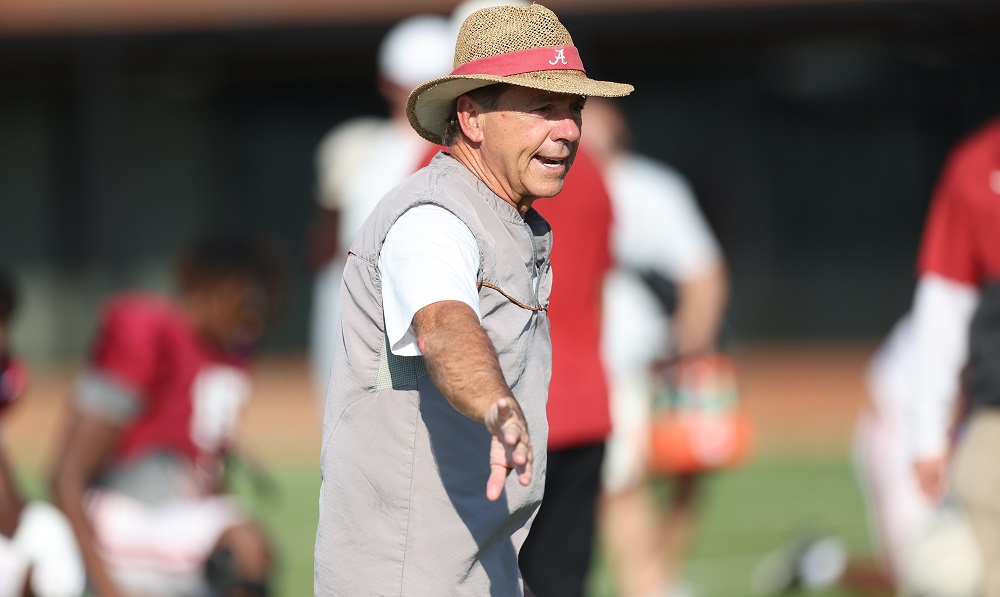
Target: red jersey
580	217
189	393
960	240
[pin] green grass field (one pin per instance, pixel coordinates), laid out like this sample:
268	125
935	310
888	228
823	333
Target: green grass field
746	513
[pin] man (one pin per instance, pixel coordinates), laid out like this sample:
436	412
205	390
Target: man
658	233
555	557
362	158
956	319
139	472
442	361
38	553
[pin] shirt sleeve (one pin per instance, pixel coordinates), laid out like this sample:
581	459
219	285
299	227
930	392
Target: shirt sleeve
429	255
123	363
942	313
105	398
126	347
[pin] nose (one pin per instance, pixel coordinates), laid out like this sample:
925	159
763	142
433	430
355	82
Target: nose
567	125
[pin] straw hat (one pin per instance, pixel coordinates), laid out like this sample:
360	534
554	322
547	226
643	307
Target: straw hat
525	46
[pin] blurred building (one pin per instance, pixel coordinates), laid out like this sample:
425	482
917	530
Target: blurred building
812	131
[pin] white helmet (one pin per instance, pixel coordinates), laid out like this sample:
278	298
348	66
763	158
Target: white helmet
417	49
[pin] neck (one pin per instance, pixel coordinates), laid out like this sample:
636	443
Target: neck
469	155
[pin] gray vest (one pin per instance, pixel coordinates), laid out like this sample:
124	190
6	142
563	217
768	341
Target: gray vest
403	508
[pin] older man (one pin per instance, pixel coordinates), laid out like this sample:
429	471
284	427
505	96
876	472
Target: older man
443	358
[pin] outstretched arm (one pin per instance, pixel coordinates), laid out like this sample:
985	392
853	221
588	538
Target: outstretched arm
463	364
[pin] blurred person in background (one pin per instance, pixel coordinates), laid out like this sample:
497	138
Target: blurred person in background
468	215
899	512
956	319
362	158
38	552
658	234
938	372
139	472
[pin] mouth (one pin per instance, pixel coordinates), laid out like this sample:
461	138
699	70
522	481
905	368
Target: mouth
551	163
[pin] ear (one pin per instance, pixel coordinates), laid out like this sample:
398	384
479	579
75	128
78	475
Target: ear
469	118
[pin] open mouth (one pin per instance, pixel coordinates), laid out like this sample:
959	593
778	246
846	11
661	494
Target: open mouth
551	162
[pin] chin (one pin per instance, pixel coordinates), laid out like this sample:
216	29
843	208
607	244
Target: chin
551	191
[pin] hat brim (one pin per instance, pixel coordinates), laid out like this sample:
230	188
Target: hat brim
429	105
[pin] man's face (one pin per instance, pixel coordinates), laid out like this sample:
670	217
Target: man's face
530	140
234	313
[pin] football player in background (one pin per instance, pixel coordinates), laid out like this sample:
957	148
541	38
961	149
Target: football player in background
140	469
658	234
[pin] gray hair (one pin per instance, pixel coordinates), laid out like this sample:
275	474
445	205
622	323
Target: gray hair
487	98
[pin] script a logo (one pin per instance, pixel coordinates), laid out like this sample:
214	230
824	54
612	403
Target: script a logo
560	58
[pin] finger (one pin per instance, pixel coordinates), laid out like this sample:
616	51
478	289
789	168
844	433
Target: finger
520	453
514	430
512	435
494	485
524	473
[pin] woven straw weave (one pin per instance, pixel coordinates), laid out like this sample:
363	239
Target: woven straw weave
508	29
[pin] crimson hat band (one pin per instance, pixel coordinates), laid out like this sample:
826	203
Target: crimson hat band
524	61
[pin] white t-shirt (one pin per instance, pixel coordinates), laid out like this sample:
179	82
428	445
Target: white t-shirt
657	227
429	255
657	224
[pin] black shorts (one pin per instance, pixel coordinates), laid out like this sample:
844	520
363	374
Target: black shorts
555	558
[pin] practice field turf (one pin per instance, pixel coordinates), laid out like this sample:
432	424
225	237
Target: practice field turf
746	513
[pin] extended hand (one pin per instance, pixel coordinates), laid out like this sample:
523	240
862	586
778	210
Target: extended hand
510	448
